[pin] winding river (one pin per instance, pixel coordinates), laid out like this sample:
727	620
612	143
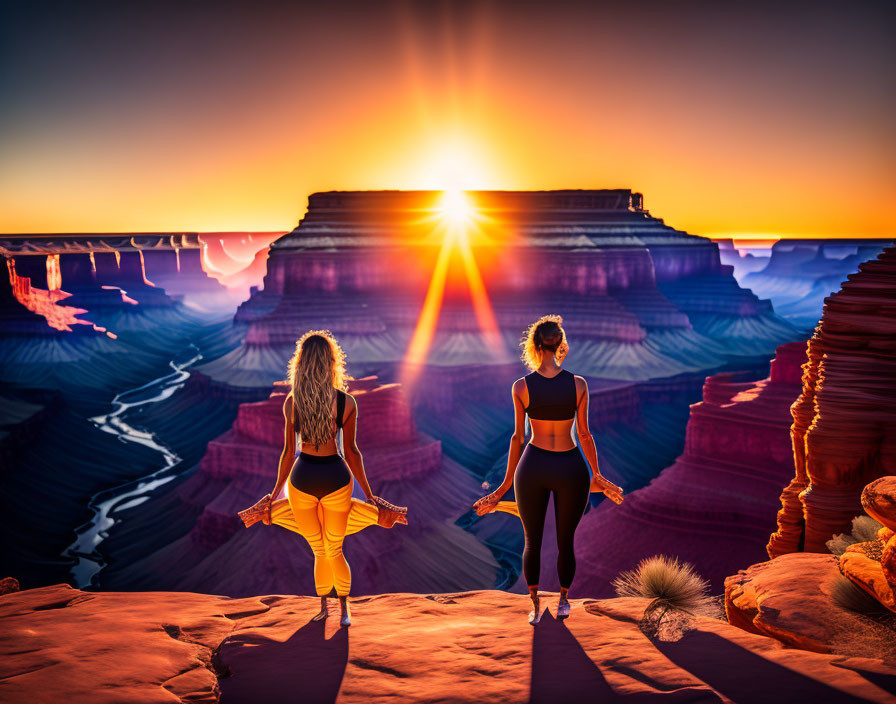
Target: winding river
89	562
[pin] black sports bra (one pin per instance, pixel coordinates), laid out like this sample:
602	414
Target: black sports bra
552	399
340	410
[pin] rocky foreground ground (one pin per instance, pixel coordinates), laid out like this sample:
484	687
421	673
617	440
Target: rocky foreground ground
59	644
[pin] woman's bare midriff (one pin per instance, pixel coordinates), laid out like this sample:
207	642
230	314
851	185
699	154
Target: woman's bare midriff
328	448
554	435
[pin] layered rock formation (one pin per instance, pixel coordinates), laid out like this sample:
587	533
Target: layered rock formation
844	422
142	266
799	274
714	505
465	647
210	550
641	299
50	341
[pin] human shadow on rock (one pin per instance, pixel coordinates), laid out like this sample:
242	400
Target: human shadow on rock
744	676
306	668
562	673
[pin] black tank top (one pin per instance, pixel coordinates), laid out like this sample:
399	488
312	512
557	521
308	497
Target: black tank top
552	399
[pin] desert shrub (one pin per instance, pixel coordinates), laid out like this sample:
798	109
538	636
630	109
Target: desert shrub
666	578
677	593
864	529
850	597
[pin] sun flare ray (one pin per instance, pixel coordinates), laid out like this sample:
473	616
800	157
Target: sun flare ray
458	223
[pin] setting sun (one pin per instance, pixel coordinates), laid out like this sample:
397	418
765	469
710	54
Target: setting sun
456	208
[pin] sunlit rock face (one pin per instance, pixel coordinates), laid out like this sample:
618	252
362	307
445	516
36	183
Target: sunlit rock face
791	599
203	545
871	565
145	267
640	299
844	421
797	275
714	506
465	648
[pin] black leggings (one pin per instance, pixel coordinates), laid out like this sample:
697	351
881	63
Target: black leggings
538	473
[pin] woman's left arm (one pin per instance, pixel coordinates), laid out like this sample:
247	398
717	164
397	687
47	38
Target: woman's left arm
353	457
599	483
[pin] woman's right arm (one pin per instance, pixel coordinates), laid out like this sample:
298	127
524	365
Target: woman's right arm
288	456
517	440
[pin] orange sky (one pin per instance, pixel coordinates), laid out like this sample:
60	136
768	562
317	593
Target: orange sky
748	124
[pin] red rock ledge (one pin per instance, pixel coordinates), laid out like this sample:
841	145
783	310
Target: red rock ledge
61	644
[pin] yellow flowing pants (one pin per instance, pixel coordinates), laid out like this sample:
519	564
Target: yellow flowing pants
323	523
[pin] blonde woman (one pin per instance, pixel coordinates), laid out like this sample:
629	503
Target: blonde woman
554	399
319	481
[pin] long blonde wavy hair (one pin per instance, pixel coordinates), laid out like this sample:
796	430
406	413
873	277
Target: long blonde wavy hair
544	335
316	370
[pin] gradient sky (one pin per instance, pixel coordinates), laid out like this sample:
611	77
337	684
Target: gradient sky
732	119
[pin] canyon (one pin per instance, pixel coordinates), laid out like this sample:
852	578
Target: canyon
650	309
642	300
196	606
86	334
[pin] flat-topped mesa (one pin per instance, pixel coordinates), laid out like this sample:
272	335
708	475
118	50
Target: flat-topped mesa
844	422
587	232
643	299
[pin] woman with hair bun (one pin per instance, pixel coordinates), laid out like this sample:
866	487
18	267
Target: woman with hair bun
554	400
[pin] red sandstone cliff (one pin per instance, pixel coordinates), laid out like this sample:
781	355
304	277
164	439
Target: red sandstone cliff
844	422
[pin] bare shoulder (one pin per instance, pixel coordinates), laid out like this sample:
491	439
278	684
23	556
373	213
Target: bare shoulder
581	385
519	386
287	405
351	406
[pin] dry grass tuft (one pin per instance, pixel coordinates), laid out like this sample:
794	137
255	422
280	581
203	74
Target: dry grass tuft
677	593
850	597
667	579
864	529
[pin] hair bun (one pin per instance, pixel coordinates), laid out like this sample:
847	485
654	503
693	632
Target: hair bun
544	335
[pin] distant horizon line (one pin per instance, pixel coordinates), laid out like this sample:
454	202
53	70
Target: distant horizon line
737	237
